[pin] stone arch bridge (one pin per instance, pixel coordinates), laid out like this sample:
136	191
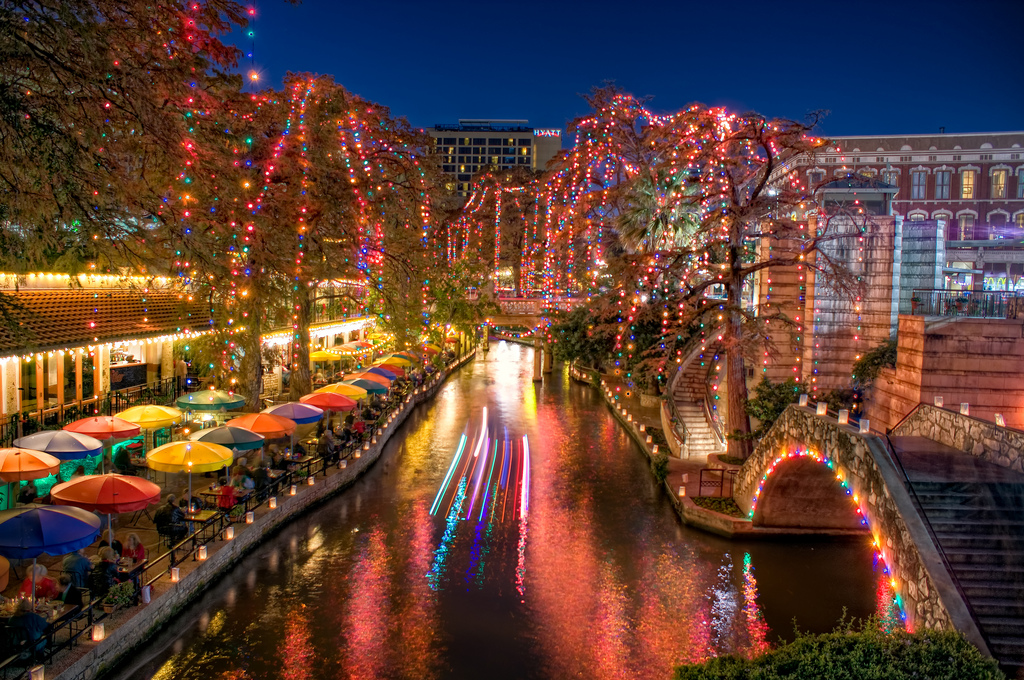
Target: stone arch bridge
809	473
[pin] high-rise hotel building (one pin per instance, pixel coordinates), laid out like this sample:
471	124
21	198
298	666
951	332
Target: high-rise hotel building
473	145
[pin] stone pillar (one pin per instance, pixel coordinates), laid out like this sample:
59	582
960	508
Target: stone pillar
78	376
102	381
167	360
11	377
536	360
60	377
547	358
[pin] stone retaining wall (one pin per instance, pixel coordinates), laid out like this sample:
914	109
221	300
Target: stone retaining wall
106	655
979	438
929	597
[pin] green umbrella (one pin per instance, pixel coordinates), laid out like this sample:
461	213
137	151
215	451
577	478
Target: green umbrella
368	385
210	400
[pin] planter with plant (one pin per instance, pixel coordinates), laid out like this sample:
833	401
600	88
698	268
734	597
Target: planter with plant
121	595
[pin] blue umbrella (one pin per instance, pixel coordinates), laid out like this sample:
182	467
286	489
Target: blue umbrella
368	385
232	437
303	414
62	444
382	372
210	400
50	530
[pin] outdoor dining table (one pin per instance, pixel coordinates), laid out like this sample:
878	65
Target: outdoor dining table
127	569
212	495
204	518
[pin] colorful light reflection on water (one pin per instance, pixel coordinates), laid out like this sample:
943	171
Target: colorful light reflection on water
431	567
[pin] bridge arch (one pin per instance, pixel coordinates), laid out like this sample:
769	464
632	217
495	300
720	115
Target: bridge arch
804	451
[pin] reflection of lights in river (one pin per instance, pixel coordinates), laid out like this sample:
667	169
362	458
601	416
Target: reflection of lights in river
757	629
451	526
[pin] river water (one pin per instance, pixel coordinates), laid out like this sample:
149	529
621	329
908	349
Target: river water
587	574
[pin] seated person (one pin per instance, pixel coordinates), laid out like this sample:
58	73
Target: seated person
28	493
116	545
227	499
279	462
46	589
104	574
134	550
69	593
77	566
170	520
123	461
28	628
359	427
260	478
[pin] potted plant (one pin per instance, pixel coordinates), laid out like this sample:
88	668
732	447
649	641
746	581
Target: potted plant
120	595
915	302
961	303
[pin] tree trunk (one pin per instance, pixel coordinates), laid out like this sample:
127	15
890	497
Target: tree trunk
252	363
300	383
737	420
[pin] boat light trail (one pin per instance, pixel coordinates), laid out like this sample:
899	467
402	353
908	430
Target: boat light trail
524	505
448	477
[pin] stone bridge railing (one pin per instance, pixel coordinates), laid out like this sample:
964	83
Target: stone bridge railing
1000	445
537	306
863	468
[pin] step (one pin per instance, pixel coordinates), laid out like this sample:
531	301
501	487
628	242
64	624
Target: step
1006	590
996	606
1007	648
982	556
1008	542
1009	626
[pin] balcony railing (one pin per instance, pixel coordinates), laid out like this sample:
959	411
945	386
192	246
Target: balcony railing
967	303
535	306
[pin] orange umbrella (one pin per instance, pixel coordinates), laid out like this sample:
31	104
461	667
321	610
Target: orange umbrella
266	424
393	368
372	377
104	427
106	493
18	465
329	401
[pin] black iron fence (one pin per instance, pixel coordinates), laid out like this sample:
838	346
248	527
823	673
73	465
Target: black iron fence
967	303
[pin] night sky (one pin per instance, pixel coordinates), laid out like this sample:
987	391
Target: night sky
877	67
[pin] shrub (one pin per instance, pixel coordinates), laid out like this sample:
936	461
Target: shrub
723	504
856	655
659	467
769	401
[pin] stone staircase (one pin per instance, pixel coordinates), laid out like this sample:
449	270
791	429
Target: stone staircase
688	393
979	527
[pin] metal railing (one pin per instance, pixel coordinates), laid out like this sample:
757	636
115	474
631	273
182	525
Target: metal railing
725	479
967	303
534	306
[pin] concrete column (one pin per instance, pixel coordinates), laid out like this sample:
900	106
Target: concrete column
167	360
547	358
536	360
78	376
60	377
102	369
11	378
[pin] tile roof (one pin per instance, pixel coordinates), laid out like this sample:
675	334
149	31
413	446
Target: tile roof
42	320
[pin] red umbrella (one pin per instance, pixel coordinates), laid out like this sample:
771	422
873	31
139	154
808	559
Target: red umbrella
329	401
266	424
108	493
104	427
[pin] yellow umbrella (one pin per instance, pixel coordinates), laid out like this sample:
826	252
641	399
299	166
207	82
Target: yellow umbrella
189	456
344	390
151	416
323	355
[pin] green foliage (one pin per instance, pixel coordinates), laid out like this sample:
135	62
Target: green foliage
659	467
723	504
769	401
867	368
578	336
869	654
121	594
841	398
658	437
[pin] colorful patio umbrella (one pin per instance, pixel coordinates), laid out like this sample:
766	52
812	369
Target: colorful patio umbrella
47	529
210	400
368	385
344	390
266	424
151	416
302	414
412	356
104	427
17	465
389	373
397	369
397	360
238	438
362	344
109	493
61	444
323	355
329	401
451	341
431	349
372	377
189	456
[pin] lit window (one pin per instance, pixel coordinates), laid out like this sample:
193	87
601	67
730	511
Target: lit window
917	217
999	184
1020	182
967	183
524	151
966	227
1020	220
942	181
815	177
918	181
892	177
